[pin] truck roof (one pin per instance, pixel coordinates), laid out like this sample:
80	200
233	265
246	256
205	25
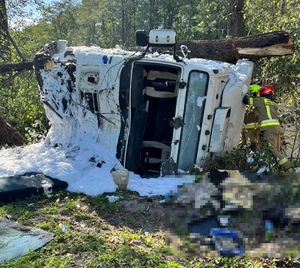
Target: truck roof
93	56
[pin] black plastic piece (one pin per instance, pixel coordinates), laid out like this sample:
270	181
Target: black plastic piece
21	186
216	176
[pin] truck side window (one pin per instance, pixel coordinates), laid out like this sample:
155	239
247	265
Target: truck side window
193	114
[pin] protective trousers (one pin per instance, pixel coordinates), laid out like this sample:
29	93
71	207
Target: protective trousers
271	137
250	132
252	135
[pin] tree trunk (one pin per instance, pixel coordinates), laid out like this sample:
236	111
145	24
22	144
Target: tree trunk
11	67
151	13
9	135
3	16
4	42
251	47
235	23
123	36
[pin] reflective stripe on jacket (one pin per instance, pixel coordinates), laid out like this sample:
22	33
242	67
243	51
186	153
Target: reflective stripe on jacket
266	110
270	122
251	125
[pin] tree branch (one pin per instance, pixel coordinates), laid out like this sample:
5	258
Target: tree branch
11	67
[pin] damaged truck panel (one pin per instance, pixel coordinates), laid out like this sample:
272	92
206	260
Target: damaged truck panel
152	111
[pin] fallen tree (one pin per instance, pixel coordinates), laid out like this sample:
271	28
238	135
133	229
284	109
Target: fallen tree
251	47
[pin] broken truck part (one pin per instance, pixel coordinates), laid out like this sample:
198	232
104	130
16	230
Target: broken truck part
148	109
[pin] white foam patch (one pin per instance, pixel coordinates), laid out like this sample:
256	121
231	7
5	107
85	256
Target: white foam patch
73	166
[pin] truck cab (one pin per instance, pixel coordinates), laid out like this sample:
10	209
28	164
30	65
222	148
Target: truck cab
158	113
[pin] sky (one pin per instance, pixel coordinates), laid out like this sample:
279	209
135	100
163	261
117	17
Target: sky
30	15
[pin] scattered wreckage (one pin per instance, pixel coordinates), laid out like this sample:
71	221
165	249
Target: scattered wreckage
224	210
17	240
158	113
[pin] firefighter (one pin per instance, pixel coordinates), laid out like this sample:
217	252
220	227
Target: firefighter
250	130
266	110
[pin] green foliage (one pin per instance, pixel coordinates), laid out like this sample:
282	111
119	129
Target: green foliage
244	158
283	72
61	16
20	103
21	106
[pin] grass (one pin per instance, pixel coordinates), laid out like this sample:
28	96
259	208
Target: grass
91	232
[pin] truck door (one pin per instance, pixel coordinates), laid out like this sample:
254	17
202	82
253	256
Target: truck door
152	105
190	107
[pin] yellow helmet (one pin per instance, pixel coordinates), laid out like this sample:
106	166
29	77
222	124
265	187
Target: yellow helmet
254	88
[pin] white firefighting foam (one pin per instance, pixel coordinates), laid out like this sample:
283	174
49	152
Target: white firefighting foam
75	149
75	145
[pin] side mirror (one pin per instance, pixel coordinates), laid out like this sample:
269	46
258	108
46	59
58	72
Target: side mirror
141	38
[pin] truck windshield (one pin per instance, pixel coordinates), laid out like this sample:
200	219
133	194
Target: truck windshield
193	114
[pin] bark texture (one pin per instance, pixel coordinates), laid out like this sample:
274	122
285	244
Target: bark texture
252	47
235	23
9	135
5	54
11	67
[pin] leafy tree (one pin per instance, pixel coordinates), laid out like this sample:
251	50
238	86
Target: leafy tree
19	95
211	19
283	72
235	22
62	16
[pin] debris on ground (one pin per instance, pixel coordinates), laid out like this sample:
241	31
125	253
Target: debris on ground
32	183
199	194
120	178
257	211
17	240
237	192
227	243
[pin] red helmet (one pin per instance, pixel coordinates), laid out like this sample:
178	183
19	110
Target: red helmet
267	90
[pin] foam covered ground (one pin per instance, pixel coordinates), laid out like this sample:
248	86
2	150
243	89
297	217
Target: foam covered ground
74	166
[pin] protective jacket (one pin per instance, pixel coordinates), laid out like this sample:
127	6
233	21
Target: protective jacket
267	112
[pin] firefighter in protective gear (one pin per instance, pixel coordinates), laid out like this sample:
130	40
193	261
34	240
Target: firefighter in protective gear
250	130
266	110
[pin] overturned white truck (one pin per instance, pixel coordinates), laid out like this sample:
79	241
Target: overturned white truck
157	112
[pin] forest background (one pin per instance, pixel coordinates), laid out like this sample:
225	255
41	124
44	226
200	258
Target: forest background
27	25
